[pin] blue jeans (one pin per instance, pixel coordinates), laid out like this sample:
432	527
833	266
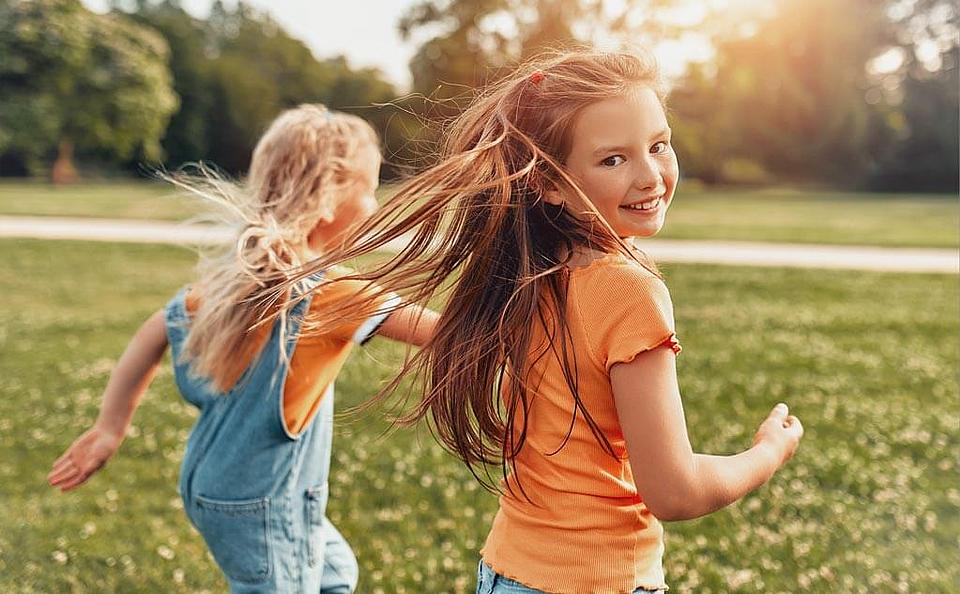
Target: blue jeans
340	570
491	582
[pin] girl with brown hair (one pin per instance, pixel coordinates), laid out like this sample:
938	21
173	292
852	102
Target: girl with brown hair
554	358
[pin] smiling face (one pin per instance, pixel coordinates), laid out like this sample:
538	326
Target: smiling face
620	156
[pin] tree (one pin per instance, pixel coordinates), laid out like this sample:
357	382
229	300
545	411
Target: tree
237	70
479	39
924	153
794	93
187	133
367	94
70	78
918	103
794	90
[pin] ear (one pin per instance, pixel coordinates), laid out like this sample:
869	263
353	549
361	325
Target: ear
553	196
551	193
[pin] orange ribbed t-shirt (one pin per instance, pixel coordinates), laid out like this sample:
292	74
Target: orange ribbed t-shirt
585	528
318	357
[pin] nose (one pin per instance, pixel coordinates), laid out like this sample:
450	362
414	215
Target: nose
647	176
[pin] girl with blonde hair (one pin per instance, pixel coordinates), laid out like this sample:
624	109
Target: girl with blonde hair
254	475
554	358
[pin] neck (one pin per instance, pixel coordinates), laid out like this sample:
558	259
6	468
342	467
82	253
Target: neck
584	256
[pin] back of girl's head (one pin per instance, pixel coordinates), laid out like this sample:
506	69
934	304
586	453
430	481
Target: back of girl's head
307	161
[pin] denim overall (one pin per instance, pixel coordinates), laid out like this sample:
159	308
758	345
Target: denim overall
257	494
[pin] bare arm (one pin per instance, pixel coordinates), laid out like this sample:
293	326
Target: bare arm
675	482
128	381
412	324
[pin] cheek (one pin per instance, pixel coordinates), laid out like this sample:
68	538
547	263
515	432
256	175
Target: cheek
606	188
671	170
361	209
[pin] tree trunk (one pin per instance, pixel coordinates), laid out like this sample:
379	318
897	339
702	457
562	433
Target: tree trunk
63	171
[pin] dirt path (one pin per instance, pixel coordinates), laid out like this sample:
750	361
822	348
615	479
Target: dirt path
741	253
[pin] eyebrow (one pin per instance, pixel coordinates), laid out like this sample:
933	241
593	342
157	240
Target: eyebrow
623	149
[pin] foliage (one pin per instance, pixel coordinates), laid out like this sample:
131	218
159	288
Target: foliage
478	41
240	69
788	94
186	137
795	94
67	75
923	153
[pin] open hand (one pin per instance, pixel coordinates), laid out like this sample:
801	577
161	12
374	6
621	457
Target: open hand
84	457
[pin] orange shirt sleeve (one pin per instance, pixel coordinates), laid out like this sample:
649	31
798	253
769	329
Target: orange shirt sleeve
331	295
626	310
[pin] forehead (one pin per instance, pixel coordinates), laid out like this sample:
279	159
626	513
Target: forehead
621	120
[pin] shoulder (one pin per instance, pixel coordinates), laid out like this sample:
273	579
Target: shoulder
335	288
624	308
616	280
338	281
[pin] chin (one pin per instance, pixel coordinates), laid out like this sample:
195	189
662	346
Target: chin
641	232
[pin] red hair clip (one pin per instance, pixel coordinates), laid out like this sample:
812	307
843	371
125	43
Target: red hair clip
537	77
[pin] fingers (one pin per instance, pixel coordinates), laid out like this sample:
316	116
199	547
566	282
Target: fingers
73	482
67	474
62	472
68	477
781	417
792	424
779	412
60	462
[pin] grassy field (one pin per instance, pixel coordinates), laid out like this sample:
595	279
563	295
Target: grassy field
118	200
121	200
767	215
869	504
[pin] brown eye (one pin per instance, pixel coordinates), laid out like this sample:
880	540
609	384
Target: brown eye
613	161
659	147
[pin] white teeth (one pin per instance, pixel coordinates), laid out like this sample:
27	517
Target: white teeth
651	205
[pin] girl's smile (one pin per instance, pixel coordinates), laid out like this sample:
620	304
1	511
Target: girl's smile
646	207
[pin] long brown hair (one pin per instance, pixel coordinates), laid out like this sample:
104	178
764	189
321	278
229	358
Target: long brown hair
306	161
478	216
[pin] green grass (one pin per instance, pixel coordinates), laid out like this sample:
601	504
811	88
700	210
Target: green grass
896	220
867	360
121	200
118	200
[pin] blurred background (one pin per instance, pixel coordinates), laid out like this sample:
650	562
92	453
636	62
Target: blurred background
852	94
821	133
